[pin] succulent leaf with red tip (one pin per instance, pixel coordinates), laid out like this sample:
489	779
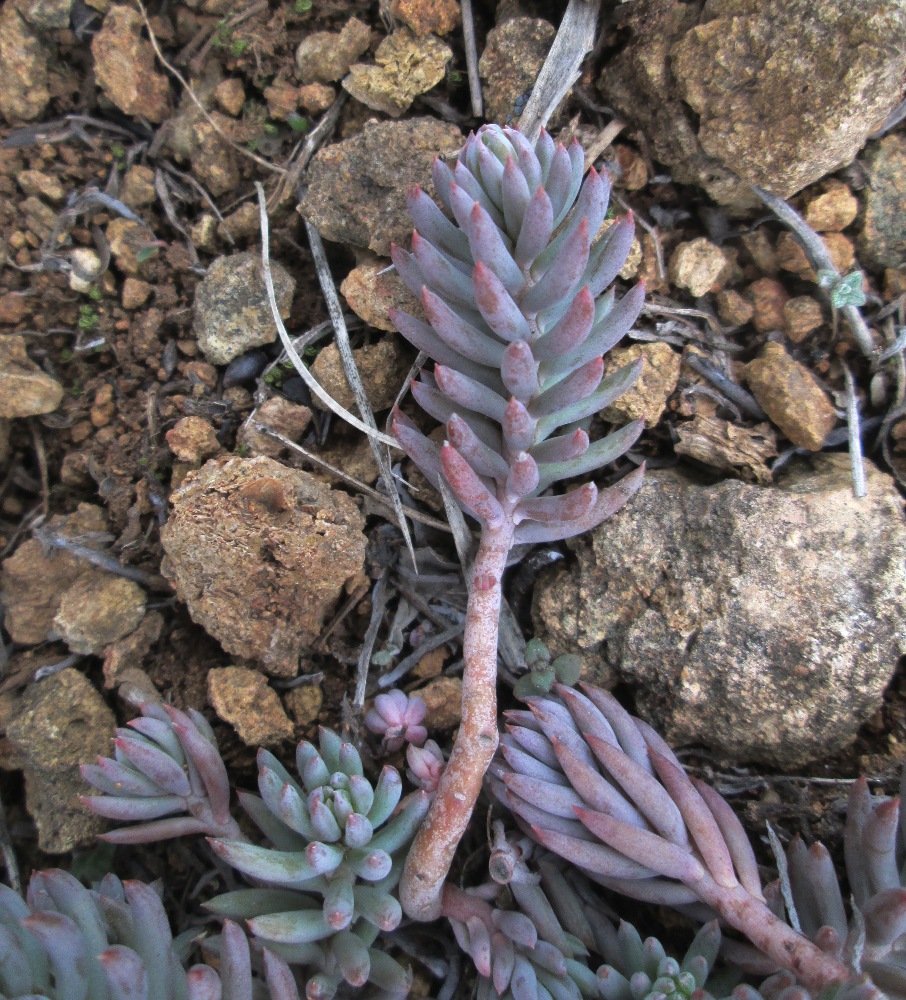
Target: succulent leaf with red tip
517	327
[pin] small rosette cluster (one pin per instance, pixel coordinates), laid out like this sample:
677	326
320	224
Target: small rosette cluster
642	970
338	847
66	942
397	718
519	319
167	777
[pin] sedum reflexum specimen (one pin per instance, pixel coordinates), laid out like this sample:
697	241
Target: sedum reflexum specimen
66	942
604	791
519	319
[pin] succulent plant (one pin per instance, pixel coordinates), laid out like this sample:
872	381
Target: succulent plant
426	765
518	326
166	764
66	942
529	940
545	671
326	884
397	717
604	791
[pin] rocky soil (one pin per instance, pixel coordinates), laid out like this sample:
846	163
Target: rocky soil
180	518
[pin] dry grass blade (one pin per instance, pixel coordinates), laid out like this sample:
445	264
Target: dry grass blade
372	494
575	37
352	377
855	436
468	31
305	150
300	366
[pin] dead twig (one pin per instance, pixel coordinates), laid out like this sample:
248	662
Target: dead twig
314	386
41	455
352	377
378	608
605	138
854	436
372	494
468	31
50	539
304	151
575	38
744	400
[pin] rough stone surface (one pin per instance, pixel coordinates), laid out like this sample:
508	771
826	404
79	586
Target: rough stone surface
325	56
61	723
790	396
304	704
25	390
129	242
42	185
512	59
443	701
24	57
193	439
98	609
34	582
832	210
768	297
802	315
778	93
372	290
243	698
232	314
732	308
382	368
405	65
426	17
138	186
647	399
883	239
286	418
213	160
260	554
763	623
125	68
791	257
357	188
696	266
46	15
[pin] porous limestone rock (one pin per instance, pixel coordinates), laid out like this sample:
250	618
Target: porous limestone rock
260	554
232	314
764	623
59	724
777	93
357	188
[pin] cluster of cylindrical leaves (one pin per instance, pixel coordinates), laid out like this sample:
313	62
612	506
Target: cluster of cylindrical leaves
518	323
66	942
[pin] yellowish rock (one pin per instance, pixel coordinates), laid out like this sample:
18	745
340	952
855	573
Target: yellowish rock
25	391
405	66
647	399
790	396
245	700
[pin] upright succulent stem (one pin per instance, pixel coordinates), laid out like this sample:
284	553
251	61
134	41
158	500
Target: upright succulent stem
432	851
518	324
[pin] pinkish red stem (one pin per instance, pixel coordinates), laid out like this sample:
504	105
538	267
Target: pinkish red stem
432	852
791	950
